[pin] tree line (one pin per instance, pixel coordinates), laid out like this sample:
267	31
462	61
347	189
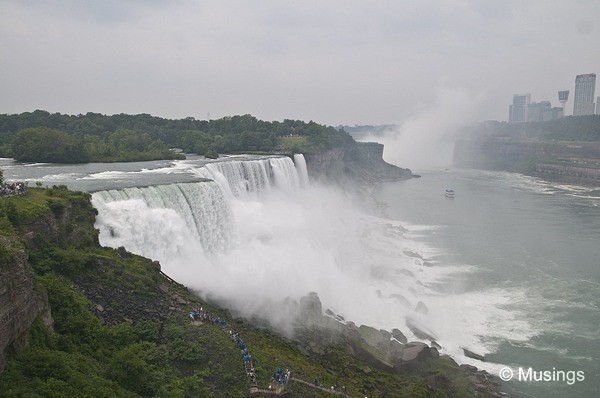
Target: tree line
41	136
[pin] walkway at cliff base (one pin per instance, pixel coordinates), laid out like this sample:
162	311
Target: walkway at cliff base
280	379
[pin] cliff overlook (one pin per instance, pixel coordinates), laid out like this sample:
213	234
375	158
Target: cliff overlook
359	162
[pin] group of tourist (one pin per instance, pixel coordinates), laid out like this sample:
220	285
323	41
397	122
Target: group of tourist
201	315
205	316
15	188
334	388
279	377
248	365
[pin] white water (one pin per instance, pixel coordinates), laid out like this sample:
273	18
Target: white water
262	234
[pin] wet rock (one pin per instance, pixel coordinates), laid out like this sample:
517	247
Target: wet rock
422	308
413	350
398	335
471	354
311	309
410	253
401	299
373	336
420	331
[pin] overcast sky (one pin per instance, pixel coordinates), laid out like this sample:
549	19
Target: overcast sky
334	62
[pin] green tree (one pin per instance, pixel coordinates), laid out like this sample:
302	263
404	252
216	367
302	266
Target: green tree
44	144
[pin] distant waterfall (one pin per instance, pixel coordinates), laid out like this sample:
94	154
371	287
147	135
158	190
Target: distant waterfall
241	177
284	173
301	167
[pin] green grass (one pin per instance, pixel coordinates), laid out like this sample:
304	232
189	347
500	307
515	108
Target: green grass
293	145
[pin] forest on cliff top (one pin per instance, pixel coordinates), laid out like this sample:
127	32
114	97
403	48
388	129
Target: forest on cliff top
41	136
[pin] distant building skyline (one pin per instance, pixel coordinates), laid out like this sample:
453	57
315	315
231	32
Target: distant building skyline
523	110
517	112
585	86
543	111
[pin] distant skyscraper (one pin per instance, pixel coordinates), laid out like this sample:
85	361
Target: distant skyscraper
563	97
517	112
585	85
543	111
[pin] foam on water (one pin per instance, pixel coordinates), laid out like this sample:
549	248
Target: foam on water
108	175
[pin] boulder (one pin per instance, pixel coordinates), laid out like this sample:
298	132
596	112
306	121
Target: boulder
422	308
420	331
398	335
414	354
311	309
414	350
471	354
401	299
373	336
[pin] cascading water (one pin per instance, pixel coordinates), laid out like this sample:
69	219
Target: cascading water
260	234
300	163
242	176
239	178
138	218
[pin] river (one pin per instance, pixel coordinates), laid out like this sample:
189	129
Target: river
534	283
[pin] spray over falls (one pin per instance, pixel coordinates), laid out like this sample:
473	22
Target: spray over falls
258	237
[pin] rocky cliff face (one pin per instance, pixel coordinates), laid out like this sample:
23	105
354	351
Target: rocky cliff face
573	162
360	162
20	302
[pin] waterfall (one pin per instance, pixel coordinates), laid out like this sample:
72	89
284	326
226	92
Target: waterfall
258	235
137	217
242	176
300	163
201	208
284	173
238	178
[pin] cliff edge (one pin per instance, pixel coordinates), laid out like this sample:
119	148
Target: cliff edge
21	302
360	162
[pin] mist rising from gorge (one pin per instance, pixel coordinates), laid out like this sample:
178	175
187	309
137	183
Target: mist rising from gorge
426	139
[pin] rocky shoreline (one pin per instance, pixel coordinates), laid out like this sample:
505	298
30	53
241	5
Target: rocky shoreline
315	330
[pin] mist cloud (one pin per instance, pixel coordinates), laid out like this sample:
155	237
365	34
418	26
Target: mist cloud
426	140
